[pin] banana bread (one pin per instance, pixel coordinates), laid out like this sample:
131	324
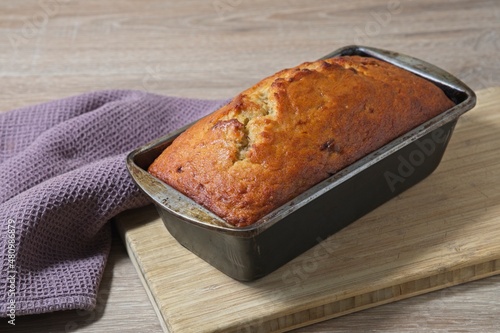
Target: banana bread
292	130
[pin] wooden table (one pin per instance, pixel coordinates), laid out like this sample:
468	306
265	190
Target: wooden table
214	49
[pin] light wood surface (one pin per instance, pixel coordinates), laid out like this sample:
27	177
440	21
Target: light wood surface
213	49
442	232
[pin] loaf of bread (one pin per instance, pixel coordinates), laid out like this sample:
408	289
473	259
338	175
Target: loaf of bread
292	130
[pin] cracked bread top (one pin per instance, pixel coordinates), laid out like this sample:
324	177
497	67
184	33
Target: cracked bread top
292	130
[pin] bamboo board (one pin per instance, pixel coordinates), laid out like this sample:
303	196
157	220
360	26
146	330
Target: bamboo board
442	232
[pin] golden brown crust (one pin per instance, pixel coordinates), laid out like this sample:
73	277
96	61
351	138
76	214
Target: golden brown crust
292	130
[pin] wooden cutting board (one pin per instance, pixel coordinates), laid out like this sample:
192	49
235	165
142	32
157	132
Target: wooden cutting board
442	232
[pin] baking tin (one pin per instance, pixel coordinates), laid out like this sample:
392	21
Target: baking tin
251	252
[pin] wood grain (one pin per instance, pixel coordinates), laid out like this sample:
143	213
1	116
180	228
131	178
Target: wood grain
192	49
438	234
189	48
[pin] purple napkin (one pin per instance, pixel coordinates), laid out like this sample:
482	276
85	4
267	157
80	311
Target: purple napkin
62	177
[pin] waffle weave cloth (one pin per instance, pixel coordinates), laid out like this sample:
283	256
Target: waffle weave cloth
62	178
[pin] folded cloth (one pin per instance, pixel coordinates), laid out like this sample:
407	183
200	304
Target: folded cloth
62	177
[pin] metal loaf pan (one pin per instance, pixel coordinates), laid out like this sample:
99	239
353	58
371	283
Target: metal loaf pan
254	251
